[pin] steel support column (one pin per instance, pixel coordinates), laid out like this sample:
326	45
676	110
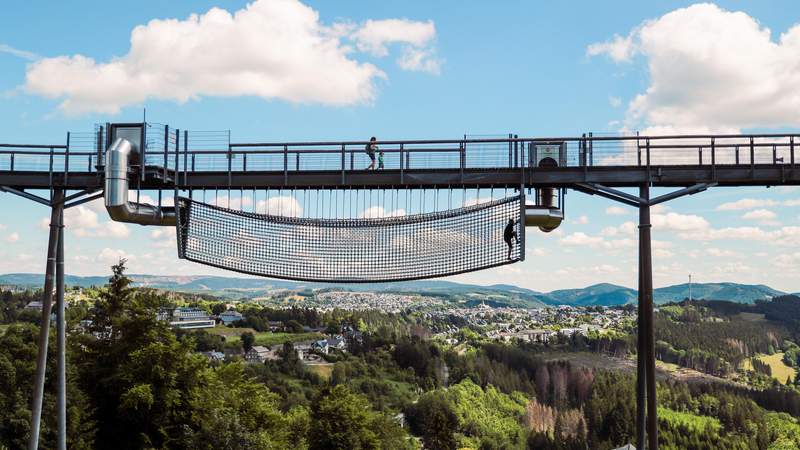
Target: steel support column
646	332
56	222
641	367
61	341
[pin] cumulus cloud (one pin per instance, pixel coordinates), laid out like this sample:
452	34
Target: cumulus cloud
628	228
84	221
788	236
280	206
585	240
374	212
678	222
746	203
13	237
618	48
711	69
164	237
722	253
616	211
581	220
110	256
762	216
416	38
273	49
788	261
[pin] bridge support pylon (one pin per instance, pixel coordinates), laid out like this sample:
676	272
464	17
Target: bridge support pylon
55	252
646	413
646	401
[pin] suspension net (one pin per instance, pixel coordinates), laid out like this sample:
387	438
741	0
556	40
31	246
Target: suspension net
350	250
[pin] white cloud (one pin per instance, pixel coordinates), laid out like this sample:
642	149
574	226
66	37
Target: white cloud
661	253
628	228
280	206
585	240
416	37
615	102
746	203
538	251
788	261
763	216
616	211
659	209
619	49
374	212
581	220
604	269
111	256
732	268
582	239
713	69
678	222
476	201
83	221
13	237
783	237
30	56
722	253
163	237
273	49
374	35
420	60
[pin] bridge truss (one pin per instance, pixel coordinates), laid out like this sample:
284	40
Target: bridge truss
184	163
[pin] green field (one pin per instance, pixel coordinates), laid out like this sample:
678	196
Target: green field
266	338
780	371
323	370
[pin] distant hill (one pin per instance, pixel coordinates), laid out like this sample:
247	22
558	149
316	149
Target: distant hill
603	294
741	293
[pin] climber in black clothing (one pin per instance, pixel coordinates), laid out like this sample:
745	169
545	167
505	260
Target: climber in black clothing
510	234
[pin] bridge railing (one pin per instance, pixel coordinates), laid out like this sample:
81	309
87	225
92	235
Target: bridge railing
199	151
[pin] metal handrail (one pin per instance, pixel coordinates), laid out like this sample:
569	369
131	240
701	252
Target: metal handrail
485	153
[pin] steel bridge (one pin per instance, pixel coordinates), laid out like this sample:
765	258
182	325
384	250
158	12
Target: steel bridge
181	161
191	160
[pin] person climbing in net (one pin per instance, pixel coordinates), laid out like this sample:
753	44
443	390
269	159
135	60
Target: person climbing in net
510	235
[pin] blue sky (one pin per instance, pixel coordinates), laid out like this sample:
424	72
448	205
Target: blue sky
441	69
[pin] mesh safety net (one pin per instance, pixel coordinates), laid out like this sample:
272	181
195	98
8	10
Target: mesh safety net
401	248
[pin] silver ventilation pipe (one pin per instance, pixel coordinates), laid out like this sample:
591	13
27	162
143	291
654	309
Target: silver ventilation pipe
118	157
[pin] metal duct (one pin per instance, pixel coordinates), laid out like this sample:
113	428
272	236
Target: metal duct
118	157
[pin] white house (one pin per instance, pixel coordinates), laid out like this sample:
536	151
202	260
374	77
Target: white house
257	354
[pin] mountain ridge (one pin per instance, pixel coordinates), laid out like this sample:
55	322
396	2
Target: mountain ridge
600	294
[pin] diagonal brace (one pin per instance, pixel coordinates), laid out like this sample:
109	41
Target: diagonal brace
632	200
26	195
78	195
84	200
611	194
691	190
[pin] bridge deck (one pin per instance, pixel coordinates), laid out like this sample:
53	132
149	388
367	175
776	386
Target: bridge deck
198	160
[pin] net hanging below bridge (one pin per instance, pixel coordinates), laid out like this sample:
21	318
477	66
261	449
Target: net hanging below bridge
401	248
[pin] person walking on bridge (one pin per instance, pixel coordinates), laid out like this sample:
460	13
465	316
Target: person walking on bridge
509	235
371	148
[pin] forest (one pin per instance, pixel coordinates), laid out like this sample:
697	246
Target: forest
134	382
